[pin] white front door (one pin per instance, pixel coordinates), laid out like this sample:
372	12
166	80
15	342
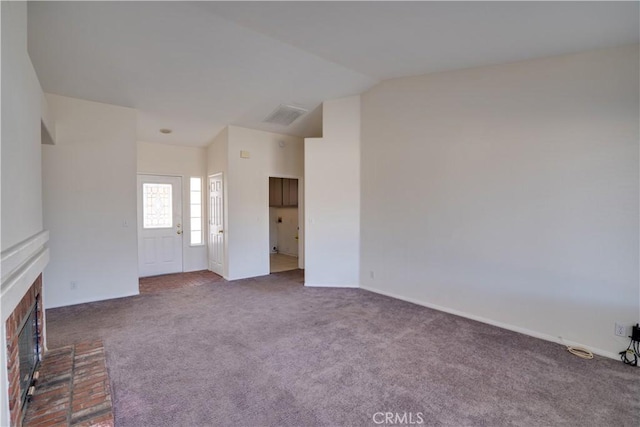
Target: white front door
216	225
159	225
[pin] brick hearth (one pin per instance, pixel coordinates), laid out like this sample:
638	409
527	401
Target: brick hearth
73	389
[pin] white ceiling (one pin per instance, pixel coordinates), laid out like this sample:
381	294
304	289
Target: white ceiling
195	67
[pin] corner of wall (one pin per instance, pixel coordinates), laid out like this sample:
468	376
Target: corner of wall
493	198
332	200
92	168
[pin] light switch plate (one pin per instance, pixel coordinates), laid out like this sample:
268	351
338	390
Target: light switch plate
244	154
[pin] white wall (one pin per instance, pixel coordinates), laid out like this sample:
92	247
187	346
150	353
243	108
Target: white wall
248	194
283	234
332	188
509	194
186	162
218	153
273	229
89	193
21	114
21	183
48	127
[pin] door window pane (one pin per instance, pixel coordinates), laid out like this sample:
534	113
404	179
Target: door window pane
157	207
196	210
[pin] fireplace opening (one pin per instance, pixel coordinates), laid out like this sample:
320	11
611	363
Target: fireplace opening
28	350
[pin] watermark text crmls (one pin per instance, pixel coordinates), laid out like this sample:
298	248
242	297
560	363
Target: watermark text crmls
398	418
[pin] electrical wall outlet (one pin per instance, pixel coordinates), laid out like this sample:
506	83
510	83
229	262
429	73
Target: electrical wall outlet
621	330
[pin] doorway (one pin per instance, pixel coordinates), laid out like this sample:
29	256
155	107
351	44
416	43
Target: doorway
284	230
159	225
216	224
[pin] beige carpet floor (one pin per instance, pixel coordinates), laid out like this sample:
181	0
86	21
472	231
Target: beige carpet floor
270	352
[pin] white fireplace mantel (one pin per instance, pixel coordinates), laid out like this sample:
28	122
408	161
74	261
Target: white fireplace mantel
20	266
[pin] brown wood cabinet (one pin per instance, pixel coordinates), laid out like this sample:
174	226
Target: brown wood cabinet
275	191
283	192
293	192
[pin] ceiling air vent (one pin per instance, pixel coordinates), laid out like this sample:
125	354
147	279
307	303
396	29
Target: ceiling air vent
285	115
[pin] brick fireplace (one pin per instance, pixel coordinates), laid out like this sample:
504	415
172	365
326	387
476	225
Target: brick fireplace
21	268
15	324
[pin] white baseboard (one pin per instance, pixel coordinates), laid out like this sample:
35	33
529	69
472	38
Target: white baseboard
499	324
88	300
289	254
323	285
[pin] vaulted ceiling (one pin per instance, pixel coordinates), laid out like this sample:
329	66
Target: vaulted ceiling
195	67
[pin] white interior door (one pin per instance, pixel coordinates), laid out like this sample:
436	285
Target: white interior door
216	225
159	225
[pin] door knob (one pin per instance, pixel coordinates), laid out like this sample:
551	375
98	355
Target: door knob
179	232
221	231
